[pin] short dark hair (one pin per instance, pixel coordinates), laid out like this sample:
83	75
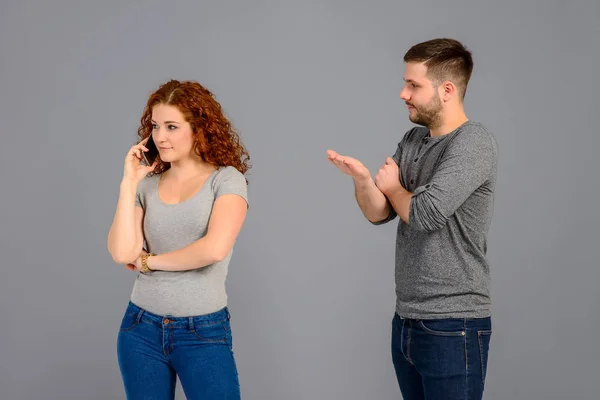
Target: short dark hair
445	59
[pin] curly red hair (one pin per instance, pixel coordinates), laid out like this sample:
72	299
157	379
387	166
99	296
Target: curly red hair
216	141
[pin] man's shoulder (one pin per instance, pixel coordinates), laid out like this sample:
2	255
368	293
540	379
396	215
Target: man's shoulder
476	128
472	140
476	134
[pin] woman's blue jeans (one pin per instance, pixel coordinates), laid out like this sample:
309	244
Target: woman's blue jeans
152	350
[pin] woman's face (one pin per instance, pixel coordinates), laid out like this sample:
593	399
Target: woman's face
172	133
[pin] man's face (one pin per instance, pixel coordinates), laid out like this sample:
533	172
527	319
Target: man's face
421	97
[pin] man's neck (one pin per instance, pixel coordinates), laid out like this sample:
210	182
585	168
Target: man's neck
449	123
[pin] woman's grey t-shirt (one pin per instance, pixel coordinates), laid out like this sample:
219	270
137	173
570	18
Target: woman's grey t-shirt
170	227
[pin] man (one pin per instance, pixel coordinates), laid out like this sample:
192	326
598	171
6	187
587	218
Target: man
440	183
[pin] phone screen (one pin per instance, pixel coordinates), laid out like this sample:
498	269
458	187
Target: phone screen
150	155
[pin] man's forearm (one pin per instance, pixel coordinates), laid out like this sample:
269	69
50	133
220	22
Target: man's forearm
400	200
371	201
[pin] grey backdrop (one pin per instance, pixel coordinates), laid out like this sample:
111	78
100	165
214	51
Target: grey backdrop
311	282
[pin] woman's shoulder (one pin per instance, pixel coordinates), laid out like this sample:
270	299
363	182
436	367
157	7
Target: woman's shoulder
228	172
148	183
228	178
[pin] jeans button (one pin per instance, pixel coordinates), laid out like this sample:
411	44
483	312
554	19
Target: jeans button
166	321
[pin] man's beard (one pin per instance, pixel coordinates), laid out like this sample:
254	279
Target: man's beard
427	115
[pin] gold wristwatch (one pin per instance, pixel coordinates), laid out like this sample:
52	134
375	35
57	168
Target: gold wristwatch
145	268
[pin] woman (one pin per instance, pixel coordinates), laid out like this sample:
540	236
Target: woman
188	208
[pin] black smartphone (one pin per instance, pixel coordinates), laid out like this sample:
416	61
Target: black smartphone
152	153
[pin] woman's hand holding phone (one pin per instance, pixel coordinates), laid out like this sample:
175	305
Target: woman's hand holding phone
134	170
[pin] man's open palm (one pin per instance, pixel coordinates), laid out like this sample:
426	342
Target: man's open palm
348	165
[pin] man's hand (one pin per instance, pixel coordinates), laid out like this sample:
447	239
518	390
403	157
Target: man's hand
388	181
349	166
388	178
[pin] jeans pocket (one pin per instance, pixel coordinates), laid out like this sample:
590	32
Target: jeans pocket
129	322
210	331
484	347
450	327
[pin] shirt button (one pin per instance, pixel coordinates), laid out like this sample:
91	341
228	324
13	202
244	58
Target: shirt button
412	181
416	159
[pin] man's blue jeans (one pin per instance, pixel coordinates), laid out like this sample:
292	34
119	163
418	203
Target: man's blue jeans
444	359
152	350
